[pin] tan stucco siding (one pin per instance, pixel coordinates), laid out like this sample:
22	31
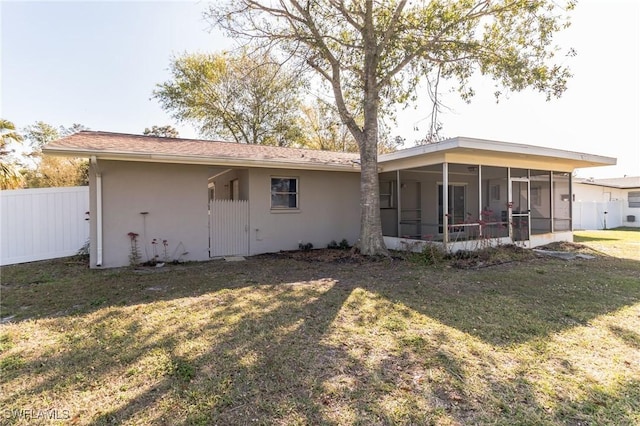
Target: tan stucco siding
329	209
175	197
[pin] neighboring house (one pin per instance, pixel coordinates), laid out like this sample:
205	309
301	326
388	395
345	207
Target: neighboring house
210	199
606	203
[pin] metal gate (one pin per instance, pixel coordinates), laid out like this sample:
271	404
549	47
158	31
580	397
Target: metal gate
228	228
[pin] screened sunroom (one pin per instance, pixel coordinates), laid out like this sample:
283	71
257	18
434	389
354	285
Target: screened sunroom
469	193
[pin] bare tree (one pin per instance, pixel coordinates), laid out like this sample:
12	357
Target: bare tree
374	53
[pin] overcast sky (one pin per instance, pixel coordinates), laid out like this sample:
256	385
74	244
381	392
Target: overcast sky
97	63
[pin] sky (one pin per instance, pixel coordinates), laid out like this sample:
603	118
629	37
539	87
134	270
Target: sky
97	63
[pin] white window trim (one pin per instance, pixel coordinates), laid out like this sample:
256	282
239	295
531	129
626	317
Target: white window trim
286	209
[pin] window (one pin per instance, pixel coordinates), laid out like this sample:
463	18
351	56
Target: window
284	193
634	198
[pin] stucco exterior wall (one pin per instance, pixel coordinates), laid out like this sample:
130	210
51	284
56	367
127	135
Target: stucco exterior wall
175	197
329	209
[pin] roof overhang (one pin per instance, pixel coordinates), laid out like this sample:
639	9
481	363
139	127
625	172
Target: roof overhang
493	153
605	185
273	163
460	150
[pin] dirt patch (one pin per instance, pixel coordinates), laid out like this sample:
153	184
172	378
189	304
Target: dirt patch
491	256
320	255
570	248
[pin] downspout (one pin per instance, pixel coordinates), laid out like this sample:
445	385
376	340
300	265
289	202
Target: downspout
94	162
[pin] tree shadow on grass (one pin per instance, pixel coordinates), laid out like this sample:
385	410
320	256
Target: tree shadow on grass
63	287
268	347
630	337
508	305
264	368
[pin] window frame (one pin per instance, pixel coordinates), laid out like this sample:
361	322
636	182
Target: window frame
272	193
636	199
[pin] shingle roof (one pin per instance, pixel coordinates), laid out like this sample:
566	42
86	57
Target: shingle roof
109	145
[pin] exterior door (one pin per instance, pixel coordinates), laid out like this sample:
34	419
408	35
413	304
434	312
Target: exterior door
520	209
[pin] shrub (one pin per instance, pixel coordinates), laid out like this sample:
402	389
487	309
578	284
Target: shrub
305	246
344	244
431	254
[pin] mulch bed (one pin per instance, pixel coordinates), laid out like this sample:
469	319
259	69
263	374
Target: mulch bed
326	255
462	260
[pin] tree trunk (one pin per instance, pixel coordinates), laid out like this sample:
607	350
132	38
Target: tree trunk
371	242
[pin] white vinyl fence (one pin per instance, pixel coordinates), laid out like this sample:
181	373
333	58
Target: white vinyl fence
43	223
591	214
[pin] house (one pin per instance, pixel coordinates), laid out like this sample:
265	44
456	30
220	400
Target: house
606	203
205	199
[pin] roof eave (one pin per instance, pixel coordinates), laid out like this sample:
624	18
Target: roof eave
277	163
576	159
605	185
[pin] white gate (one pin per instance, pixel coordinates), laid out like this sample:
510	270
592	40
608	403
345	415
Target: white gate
229	228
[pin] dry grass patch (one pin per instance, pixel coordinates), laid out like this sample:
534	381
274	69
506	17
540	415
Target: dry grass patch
286	341
620	242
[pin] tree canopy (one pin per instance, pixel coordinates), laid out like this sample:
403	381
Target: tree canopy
40	133
324	130
372	54
50	171
234	97
162	131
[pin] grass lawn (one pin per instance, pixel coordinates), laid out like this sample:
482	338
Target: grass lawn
275	340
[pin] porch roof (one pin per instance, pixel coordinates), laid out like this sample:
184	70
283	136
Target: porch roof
127	147
488	152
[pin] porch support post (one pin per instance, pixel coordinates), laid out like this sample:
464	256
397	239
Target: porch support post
399	200
480	209
445	203
509	204
553	197
570	203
